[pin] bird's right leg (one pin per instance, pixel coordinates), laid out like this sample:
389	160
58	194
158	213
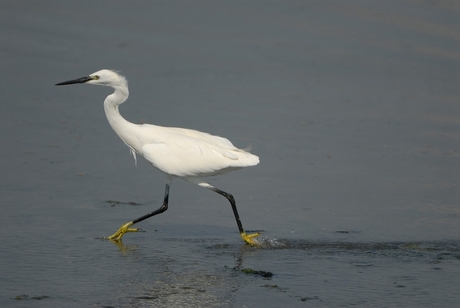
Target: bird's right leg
126	227
248	238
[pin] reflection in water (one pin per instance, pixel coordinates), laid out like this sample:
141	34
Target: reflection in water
198	289
194	284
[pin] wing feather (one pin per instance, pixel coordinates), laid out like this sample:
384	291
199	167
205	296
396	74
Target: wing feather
186	153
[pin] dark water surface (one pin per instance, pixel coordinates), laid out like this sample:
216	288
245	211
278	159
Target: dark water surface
353	108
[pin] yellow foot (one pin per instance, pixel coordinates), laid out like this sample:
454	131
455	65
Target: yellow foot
124	229
248	238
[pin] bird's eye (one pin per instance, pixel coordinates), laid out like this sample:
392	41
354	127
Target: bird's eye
96	77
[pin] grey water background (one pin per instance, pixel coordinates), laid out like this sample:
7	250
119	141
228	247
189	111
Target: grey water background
352	106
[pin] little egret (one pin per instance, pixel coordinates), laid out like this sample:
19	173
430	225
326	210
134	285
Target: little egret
177	152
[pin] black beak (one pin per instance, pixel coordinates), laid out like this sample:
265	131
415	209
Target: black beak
79	80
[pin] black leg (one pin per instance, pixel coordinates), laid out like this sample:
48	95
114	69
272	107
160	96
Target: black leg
126	227
232	202
162	208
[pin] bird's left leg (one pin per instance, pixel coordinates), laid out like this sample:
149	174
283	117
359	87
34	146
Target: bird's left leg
123	229
126	227
248	238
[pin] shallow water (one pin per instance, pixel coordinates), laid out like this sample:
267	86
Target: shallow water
196	271
352	108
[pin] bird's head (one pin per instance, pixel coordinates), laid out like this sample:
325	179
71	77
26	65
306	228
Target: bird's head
102	78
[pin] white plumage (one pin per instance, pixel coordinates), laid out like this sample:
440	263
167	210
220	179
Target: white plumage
177	152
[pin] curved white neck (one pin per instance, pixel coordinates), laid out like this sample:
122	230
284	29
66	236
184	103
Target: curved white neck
121	126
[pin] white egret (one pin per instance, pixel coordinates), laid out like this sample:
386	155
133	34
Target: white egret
177	152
